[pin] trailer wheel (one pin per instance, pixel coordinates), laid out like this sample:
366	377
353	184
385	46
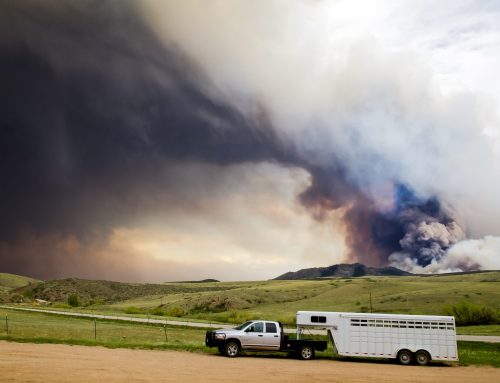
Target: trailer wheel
306	352
404	357
422	357
232	349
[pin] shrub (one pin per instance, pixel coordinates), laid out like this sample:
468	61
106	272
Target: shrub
175	311
73	300
16	298
234	316
132	310
98	302
467	314
157	311
59	305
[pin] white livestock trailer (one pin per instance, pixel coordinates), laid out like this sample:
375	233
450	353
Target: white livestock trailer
404	337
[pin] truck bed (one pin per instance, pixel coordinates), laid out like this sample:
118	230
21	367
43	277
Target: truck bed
292	345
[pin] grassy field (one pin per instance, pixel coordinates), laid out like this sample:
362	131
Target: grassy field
280	300
478	353
235	302
46	328
493	330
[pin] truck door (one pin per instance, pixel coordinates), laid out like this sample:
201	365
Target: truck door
254	336
272	338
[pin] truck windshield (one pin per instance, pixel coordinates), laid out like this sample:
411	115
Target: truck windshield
242	326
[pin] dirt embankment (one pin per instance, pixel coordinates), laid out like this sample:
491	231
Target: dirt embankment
60	363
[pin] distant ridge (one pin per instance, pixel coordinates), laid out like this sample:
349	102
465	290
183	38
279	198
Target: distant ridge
208	280
342	270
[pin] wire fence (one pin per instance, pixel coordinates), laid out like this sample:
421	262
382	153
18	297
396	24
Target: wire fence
46	326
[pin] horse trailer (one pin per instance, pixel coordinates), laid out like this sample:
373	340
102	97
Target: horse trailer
407	338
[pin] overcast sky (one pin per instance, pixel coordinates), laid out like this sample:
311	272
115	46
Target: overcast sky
238	140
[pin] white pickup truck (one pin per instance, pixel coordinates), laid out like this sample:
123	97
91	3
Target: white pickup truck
261	335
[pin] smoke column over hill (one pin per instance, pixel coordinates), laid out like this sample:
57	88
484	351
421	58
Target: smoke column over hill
98	99
401	157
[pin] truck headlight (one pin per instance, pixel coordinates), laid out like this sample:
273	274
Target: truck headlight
220	336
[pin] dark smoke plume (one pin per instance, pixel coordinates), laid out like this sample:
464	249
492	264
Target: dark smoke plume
93	107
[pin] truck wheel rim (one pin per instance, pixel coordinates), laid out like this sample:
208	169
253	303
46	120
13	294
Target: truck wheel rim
306	353
232	350
405	357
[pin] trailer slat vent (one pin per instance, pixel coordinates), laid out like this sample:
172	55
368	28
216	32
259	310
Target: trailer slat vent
396	324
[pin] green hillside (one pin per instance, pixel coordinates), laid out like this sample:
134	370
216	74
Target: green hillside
98	292
280	300
12	281
277	299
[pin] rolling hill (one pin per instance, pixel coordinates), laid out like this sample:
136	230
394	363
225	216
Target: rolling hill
97	291
236	302
12	281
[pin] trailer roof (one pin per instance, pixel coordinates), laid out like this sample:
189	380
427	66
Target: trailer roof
378	315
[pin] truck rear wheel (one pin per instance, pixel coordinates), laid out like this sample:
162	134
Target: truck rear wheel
422	357
405	357
232	349
306	352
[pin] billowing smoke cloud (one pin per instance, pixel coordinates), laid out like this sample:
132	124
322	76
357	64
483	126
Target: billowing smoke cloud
97	105
392	137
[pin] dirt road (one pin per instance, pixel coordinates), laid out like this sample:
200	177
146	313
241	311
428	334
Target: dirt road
60	363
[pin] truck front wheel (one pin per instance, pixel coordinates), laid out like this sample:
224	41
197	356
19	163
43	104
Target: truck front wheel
306	352
232	349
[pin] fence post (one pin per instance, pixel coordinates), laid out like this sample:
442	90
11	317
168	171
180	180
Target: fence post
7	324
95	328
165	329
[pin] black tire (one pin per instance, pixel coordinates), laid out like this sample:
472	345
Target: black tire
422	358
306	352
405	357
232	349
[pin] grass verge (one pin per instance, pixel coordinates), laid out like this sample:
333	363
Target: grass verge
30	327
479	353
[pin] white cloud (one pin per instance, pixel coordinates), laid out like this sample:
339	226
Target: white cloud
473	254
